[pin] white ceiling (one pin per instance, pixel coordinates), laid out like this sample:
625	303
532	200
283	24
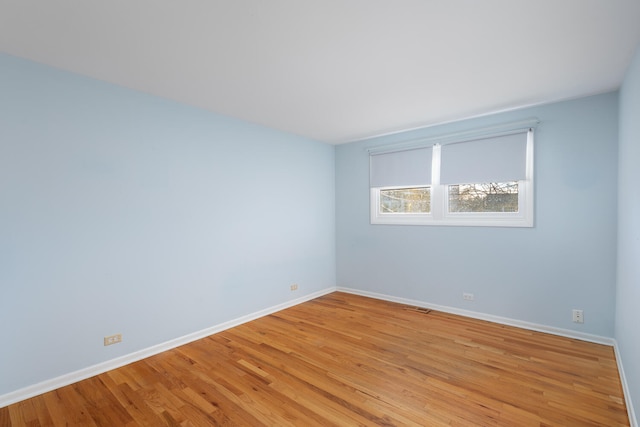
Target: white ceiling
335	70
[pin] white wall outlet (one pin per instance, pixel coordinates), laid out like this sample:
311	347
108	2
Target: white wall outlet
578	316
112	339
468	297
294	287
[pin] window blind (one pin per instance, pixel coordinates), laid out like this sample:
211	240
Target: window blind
493	159
401	168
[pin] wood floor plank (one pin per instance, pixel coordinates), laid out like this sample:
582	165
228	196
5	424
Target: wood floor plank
347	360
5	419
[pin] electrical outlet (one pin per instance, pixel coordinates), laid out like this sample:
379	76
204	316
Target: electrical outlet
468	297
112	339
294	287
578	316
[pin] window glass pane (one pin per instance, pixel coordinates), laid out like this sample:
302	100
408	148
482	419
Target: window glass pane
486	197
406	200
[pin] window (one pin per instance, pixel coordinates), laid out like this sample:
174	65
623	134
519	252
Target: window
406	200
486	197
474	181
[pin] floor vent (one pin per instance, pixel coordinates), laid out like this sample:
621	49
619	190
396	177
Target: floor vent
418	309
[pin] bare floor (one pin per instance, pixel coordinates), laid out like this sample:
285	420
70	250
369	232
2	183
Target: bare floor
348	360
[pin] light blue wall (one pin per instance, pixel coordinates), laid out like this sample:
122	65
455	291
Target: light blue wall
125	213
628	292
567	261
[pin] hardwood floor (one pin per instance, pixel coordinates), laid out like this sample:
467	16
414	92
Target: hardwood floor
347	360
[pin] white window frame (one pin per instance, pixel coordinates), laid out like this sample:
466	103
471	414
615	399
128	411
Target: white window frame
440	214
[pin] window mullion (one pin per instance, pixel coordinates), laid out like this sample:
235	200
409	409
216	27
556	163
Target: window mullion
437	190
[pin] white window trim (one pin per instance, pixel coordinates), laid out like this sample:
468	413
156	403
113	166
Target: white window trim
440	214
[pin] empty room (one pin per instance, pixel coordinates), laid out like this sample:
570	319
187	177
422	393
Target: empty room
319	213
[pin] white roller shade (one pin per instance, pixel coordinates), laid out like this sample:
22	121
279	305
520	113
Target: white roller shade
494	159
401	168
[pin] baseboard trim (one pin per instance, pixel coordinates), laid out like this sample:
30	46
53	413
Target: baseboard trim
625	387
488	317
91	371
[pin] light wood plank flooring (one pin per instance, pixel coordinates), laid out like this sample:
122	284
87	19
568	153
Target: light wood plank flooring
347	360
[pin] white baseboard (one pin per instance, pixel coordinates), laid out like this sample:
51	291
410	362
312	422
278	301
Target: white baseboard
73	377
625	387
488	317
91	371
